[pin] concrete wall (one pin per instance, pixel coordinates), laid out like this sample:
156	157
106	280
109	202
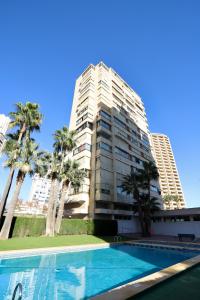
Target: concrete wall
128	226
173	228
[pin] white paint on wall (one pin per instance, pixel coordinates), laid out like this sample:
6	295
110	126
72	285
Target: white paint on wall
174	228
128	226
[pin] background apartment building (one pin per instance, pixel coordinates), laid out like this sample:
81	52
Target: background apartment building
4	123
112	140
40	190
169	179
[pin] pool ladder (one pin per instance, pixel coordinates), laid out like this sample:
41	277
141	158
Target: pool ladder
18	287
117	238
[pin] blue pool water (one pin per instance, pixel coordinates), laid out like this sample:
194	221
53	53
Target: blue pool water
80	275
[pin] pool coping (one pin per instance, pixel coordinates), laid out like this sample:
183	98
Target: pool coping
135	287
8	254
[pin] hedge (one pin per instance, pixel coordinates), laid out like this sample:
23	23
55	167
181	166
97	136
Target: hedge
29	226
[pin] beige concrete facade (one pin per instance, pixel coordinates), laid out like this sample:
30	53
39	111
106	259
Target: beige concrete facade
112	140
169	179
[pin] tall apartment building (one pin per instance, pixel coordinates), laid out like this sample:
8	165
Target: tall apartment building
4	123
112	140
40	190
169	179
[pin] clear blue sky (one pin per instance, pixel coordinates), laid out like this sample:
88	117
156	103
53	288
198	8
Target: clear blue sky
153	45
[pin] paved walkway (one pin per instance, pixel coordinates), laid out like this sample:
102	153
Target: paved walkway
185	286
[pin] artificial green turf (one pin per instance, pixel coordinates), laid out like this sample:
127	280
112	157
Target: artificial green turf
42	242
185	286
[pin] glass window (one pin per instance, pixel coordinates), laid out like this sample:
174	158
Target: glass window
83	126
120	123
105	115
122	153
104	146
82	148
103	124
103	134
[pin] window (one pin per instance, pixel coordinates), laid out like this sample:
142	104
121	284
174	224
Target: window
104	84
103	124
82	111
104	146
83	118
138	161
82	148
104	134
105	191
155	189
105	115
83	126
122	153
82	102
120	123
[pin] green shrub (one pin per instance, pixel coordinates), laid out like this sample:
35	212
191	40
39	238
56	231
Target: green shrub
73	226
25	226
30	226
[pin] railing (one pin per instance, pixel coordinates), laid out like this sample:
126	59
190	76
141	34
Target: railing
117	238
18	287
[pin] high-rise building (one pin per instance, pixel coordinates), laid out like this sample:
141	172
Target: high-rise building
168	174
112	140
40	190
4	123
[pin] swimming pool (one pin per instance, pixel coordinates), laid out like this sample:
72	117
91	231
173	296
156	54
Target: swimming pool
82	274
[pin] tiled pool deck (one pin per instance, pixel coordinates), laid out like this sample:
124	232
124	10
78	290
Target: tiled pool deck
134	287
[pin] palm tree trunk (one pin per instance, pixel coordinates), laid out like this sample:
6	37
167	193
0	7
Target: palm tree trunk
49	220
4	234
10	179
141	218
64	194
6	192
148	215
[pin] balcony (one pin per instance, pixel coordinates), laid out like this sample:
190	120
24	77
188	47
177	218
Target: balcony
103	211
122	212
102	197
78	198
124	198
77	210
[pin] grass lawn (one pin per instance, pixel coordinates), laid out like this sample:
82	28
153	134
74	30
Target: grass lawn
42	242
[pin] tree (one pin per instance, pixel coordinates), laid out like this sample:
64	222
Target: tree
147	174
26	118
27	159
70	175
139	185
169	200
64	143
132	184
53	161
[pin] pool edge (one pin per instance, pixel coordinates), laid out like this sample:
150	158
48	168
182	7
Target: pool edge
137	286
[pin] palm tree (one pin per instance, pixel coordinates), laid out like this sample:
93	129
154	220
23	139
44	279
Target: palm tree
147	174
132	184
177	200
170	199
167	199
70	175
64	143
25	164
26	118
11	151
53	173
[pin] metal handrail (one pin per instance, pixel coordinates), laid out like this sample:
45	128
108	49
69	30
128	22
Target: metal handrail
18	286
117	238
